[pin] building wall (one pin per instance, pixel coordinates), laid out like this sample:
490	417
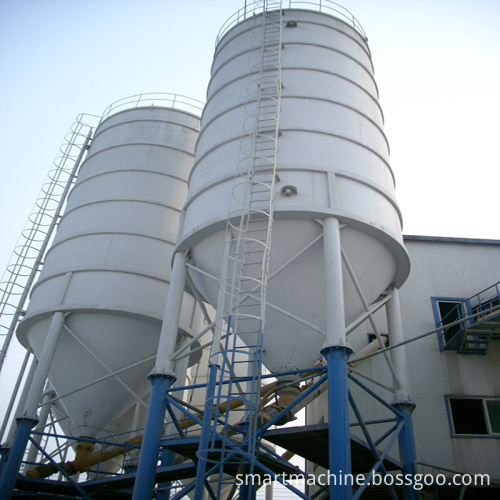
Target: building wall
441	267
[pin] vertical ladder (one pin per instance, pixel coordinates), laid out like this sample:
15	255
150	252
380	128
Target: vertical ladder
246	283
27	261
28	255
253	236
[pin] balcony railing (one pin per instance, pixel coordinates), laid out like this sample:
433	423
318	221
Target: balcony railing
470	326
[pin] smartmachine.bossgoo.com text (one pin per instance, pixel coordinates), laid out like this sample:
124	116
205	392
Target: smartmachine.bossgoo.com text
417	481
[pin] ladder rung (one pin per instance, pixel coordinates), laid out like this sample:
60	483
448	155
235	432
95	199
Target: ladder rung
261	166
258	235
256	231
265	184
262	195
268	68
262	219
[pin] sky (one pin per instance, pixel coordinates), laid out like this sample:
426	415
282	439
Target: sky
437	66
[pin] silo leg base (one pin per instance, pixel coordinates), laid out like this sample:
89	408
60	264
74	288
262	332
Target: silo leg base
407	448
146	471
15	457
339	442
205	433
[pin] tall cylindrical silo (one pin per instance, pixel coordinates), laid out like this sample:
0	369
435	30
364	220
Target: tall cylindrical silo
108	268
332	160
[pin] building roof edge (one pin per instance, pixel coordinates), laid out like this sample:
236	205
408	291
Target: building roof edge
449	239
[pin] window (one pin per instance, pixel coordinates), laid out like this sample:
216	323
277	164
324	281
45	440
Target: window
446	311
449	312
493	407
385	338
474	416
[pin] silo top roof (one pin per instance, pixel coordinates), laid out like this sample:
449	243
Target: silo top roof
175	101
252	9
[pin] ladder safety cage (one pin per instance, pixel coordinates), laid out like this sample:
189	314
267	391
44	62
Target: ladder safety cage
235	419
29	253
27	260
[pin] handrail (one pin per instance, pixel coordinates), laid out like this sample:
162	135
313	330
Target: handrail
470	309
252	9
490	297
162	99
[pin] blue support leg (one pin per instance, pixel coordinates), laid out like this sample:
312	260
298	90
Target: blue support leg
339	441
4	452
148	459
247	491
167	459
205	433
11	467
407	448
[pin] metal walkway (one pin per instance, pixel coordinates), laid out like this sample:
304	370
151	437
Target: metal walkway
476	321
310	442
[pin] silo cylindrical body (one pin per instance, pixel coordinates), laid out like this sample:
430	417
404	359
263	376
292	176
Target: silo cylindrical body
108	267
332	160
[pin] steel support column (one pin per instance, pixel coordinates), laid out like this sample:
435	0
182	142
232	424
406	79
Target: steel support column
20	404
167	456
42	422
171	317
402	398
164	489
336	352
148	459
162	377
407	448
247	491
205	433
29	418
398	356
15	456
334	290
339	441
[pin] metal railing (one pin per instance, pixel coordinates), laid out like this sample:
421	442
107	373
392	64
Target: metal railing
159	99
485	301
326	6
473	311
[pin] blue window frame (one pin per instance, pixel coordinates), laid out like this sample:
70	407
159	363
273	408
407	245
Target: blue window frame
448	310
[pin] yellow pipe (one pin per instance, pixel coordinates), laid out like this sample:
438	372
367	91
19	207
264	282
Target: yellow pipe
84	460
83	451
288	455
373	346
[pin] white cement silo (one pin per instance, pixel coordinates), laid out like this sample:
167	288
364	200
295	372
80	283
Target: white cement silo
332	160
108	268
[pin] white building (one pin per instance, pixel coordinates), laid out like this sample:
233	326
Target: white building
455	387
